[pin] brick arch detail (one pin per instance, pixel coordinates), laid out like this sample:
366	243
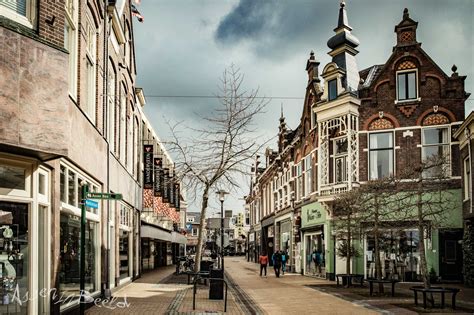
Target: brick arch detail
374	117
380	83
437	77
401	58
429	111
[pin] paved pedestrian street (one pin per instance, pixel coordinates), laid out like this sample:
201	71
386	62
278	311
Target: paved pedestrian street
249	293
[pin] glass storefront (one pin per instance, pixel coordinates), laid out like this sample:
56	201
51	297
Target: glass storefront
285	229
399	255
70	237
124	253
315	260
14	256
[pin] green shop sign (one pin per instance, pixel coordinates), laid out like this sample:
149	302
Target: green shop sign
313	214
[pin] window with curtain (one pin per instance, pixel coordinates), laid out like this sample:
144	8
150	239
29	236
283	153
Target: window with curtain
380	155
406	85
340	160
20	11
436	145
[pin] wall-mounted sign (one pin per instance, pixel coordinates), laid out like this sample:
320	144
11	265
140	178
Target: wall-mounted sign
166	191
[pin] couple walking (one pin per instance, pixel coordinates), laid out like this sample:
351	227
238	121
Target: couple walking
279	260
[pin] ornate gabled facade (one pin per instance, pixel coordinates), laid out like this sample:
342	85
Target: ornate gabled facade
359	125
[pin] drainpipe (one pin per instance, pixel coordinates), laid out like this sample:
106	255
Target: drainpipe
107	23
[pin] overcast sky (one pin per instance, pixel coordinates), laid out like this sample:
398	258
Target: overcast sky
184	45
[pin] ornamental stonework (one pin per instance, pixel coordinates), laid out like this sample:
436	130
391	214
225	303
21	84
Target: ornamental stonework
435	119
407	110
406	65
381	123
406	37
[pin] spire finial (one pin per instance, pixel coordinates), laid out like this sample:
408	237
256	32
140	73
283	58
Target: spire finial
454	68
343	4
406	15
343	22
281	110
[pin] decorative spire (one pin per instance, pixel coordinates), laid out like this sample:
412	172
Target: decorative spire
343	50
343	22
282	118
406	15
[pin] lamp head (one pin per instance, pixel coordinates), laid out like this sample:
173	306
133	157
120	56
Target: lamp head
221	194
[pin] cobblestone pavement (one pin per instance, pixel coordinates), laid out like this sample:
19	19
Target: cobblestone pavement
288	294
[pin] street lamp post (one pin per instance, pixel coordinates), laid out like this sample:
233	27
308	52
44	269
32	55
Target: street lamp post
222	194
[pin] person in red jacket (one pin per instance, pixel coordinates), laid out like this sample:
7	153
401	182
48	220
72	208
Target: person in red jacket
263	259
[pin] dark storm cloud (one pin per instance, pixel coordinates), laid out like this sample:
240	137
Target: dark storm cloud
248	19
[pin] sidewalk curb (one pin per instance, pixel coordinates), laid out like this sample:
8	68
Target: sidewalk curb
248	305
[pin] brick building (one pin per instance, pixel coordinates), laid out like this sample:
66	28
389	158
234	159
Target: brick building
70	115
358	125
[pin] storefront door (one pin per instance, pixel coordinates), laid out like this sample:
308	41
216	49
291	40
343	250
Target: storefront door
315	260
450	254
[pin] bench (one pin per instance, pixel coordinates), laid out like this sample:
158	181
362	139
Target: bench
440	290
347	278
372	281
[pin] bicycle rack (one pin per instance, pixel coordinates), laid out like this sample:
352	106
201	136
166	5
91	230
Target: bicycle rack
216	279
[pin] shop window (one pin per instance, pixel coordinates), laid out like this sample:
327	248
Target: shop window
124	252
72	192
315	260
12	177
406	85
332	89
14	256
69	276
380	155
399	255
62	185
436	150
20	11
340	160
467	179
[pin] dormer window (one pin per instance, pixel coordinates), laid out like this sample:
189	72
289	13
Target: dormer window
406	85
332	89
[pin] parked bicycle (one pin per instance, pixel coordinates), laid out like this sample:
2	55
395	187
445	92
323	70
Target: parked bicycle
185	264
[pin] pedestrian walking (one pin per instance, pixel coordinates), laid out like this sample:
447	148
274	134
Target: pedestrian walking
276	258
284	258
263	259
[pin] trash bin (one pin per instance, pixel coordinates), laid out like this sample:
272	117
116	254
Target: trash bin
216	288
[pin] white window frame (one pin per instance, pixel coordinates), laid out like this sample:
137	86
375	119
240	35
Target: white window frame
467	178
369	150
90	216
27	167
71	20
91	68
417	97
28	20
447	144
344	156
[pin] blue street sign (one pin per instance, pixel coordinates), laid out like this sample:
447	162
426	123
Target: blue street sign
189	226
92	204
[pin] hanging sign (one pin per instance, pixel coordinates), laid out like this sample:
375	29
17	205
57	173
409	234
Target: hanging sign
177	196
148	166
158	163
165	191
171	189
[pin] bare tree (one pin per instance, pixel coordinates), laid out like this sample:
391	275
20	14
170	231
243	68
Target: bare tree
429	200
347	207
214	155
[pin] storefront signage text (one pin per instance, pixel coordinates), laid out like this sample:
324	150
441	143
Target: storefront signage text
148	167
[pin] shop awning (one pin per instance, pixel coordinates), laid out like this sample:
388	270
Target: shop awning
155	233
178	238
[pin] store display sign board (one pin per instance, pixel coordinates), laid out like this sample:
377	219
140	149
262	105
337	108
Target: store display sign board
92	204
148	166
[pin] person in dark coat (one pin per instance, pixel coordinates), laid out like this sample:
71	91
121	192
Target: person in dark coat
277	263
